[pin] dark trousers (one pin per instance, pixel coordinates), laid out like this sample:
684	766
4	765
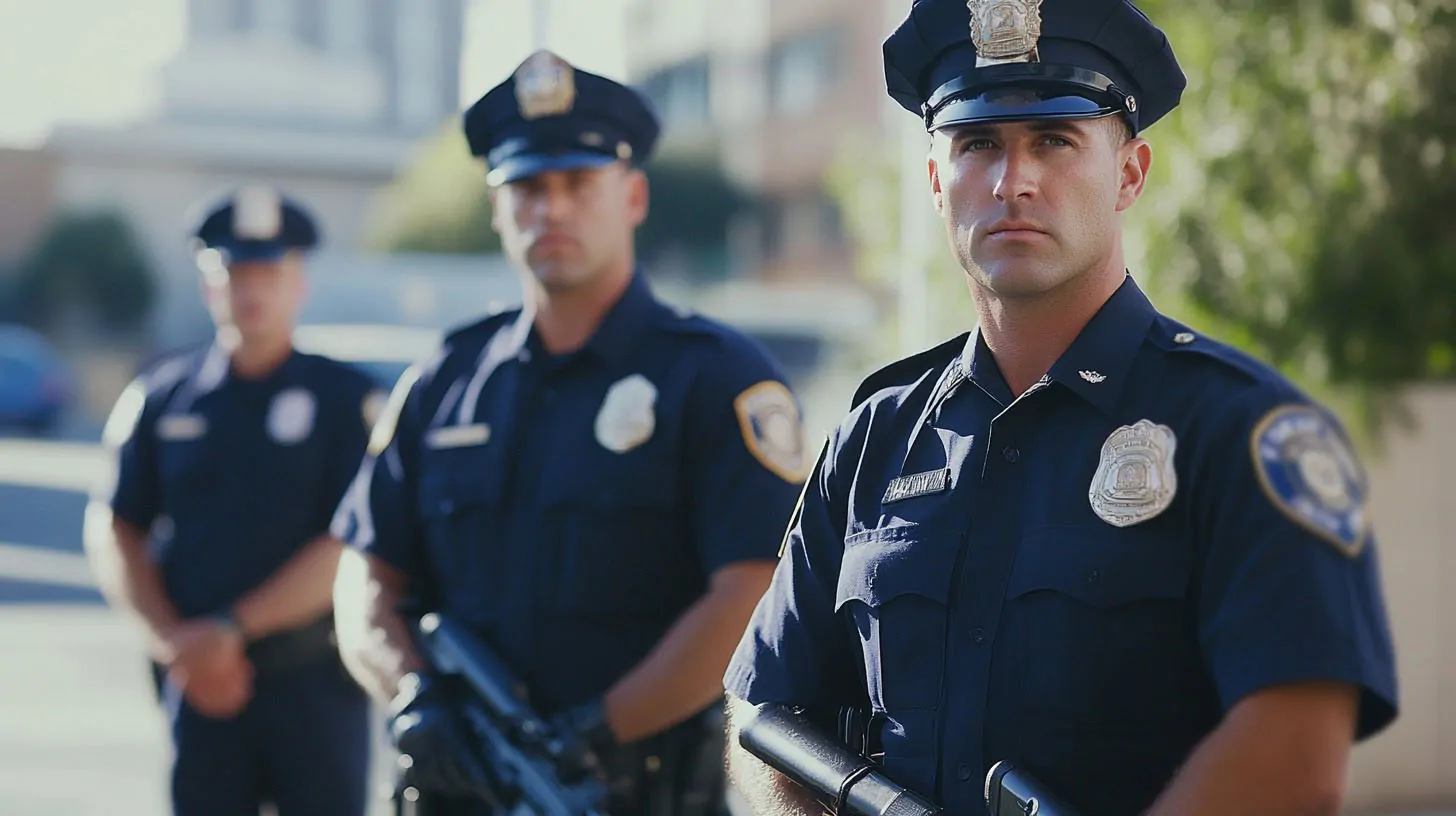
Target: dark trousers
302	744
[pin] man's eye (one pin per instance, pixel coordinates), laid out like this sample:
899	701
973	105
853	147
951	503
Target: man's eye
972	145
1058	141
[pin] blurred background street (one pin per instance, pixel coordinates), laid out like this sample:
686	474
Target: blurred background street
1299	207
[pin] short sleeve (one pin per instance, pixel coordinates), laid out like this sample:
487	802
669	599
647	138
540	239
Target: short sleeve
1290	585
377	514
746	459
358	410
131	487
795	649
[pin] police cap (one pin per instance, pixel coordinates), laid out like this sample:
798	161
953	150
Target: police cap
254	223
550	115
957	62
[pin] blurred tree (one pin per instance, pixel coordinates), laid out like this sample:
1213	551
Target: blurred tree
1299	205
440	204
89	262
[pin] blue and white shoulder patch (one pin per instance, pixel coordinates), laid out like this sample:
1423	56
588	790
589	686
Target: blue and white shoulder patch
1308	469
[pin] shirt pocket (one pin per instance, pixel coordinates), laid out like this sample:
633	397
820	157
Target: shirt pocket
894	587
1095	626
627	552
188	470
460	507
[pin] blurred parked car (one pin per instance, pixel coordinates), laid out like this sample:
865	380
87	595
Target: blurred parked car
36	385
383	351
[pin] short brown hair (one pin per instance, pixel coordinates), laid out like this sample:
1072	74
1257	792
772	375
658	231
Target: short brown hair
1119	129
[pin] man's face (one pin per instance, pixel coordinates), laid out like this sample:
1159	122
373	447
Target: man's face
260	299
569	226
1029	206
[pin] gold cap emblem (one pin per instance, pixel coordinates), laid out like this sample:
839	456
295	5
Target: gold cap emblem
1005	30
257	214
545	86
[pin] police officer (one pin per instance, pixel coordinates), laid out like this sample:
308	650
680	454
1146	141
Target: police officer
1082	538
214	532
595	483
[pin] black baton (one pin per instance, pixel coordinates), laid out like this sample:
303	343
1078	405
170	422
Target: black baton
785	739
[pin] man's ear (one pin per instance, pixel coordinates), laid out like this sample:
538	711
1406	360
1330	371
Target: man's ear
933	168
492	194
1137	159
639	196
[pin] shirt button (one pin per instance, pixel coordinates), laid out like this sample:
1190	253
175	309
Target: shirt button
964	772
1010	454
979	635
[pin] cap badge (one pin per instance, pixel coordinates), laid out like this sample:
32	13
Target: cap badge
545	86
1005	30
257	214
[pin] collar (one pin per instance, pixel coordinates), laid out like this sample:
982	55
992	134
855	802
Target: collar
213	371
1096	366
621	327
625	322
1099	362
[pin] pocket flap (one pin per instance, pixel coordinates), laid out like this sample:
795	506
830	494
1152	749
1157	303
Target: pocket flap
454	478
885	563
1102	565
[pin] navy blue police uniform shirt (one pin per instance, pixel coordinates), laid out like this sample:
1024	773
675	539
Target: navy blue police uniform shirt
234	476
1082	580
571	508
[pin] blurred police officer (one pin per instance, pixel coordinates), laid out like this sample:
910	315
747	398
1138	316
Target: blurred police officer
229	463
1082	538
596	482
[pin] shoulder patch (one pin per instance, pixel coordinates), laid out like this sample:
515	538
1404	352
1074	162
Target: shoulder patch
122	422
772	428
1309	471
910	368
382	432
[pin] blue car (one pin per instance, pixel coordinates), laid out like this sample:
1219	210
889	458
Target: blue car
36	386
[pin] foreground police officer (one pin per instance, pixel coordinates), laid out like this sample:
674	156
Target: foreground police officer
1082	538
229	463
596	483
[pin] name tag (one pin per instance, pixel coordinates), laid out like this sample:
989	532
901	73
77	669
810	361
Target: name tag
917	484
457	436
181	427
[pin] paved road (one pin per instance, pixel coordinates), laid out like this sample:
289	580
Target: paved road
79	732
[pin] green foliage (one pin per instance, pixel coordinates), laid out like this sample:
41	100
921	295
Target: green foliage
86	260
440	204
1301	197
1304	189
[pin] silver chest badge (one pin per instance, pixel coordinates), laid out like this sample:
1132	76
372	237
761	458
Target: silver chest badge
1135	478
290	417
628	416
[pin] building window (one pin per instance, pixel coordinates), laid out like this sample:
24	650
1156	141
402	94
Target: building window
417	63
802	70
803	223
680	93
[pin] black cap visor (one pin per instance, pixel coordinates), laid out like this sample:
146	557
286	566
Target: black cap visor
1026	91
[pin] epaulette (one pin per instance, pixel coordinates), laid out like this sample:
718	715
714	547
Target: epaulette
1173	336
910	368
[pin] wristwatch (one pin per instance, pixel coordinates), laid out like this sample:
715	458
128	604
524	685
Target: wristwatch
228	622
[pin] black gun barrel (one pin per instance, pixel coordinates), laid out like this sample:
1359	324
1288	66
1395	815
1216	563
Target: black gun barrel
1011	791
784	737
526	751
455	649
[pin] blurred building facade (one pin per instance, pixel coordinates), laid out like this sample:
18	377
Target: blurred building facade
768	90
326	98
